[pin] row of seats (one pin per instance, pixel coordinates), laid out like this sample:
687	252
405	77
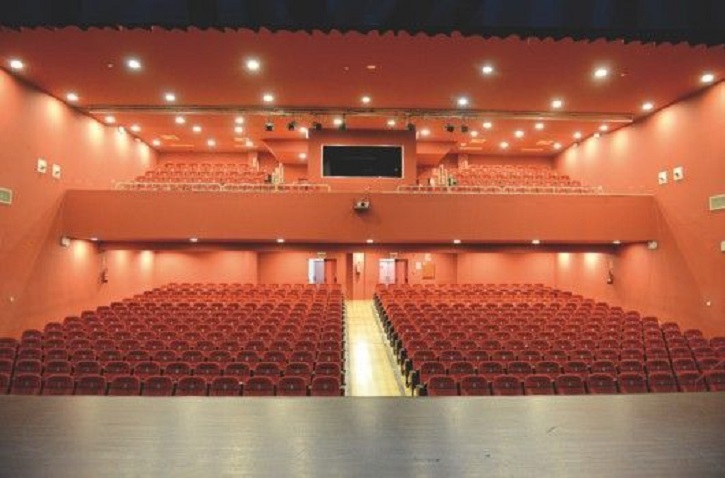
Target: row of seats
529	329
189	330
203	172
162	386
570	384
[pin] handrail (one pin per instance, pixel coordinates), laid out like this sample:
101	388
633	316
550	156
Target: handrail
492	189
220	187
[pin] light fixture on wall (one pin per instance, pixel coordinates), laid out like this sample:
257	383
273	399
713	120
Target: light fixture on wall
450	128
65	241
269	126
291	125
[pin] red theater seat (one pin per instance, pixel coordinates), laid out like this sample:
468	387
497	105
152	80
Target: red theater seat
258	386
474	385
506	385
691	382
156	386
58	385
538	385
715	380
91	385
442	386
567	384
191	387
124	386
325	386
632	382
292	387
26	384
662	382
224	387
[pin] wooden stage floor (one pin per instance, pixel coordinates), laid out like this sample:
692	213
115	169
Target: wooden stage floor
660	435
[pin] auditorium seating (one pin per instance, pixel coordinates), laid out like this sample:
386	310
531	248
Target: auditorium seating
508	339
202	172
188	339
501	179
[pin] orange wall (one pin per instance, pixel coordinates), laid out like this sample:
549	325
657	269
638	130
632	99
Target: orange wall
330	218
678	279
41	280
406	139
205	266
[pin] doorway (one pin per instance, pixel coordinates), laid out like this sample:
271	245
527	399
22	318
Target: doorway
322	271
393	271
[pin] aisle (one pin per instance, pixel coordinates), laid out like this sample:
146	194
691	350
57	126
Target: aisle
370	370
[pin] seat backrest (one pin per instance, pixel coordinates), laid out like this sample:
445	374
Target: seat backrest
691	382
259	386
157	386
191	386
124	386
442	386
26	384
568	384
601	383
224	387
292	387
538	384
91	385
506	385
61	384
325	386
660	382
632	382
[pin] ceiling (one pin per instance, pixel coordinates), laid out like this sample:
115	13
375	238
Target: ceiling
319	77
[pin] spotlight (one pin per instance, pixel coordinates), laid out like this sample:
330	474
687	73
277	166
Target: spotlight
411	127
464	128
450	128
269	126
291	125
316	125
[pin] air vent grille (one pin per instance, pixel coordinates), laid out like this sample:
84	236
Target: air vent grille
717	203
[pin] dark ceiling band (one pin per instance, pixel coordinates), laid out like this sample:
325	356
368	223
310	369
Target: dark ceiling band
673	21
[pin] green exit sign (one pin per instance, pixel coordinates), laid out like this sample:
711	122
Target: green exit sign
6	196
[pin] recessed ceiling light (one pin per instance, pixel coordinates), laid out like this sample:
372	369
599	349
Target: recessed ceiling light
616	242
121	130
180	120
536	242
557	103
135	128
539	126
557	146
72	97
519	133
597	135
16	64
603	128
474	133
503	145
193	239
337	121
365	99
370	241
302	155
304	130
94	239
196	128
601	73
109	119
648	106
462	101
238	129
280	240
372	67
253	64
211	143
170	97
391	122
456	241
425	132
239	120
487	125
487	69
134	64
156	142
707	78
578	135
268	97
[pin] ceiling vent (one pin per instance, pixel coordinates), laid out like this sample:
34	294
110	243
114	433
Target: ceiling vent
717	203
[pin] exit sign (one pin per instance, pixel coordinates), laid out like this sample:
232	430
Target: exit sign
6	196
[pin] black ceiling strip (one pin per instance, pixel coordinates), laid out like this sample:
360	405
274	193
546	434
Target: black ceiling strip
673	21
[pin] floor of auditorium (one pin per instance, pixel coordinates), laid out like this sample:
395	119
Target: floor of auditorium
371	369
368	433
